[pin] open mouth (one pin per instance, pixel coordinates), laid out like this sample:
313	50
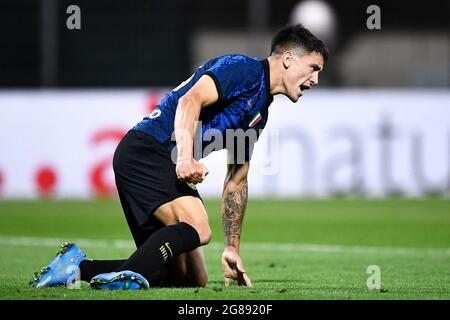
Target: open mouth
302	88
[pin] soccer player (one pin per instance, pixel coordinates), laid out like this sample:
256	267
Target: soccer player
156	168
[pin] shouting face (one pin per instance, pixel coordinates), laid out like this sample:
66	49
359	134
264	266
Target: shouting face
300	73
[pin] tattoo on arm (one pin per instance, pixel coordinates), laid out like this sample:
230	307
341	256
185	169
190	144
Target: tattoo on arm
233	209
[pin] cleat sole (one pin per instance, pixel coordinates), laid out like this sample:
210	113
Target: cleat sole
97	283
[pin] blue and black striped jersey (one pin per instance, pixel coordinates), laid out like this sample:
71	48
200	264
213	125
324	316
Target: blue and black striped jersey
243	85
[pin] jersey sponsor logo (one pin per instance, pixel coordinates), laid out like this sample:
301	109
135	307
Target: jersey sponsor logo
155	114
249	103
255	120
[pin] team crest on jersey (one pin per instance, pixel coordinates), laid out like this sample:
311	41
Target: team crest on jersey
155	114
255	120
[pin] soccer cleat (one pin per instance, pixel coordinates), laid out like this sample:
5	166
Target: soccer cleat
122	280
62	270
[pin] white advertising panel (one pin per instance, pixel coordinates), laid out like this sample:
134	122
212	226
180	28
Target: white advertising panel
371	142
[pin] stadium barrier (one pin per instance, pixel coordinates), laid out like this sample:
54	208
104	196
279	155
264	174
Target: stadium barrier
333	142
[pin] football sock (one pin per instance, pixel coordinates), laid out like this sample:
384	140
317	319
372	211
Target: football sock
160	248
91	268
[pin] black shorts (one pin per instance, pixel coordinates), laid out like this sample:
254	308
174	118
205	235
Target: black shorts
145	179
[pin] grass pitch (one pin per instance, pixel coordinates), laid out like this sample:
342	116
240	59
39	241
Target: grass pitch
292	249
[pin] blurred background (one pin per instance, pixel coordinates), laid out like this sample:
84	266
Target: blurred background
355	174
145	43
378	124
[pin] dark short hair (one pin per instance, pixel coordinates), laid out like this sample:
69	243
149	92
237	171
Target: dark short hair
297	36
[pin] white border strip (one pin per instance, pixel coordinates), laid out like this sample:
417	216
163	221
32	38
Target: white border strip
252	246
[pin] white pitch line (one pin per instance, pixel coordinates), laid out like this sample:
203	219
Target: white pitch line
251	246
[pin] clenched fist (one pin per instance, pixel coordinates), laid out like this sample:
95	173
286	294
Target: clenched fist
191	171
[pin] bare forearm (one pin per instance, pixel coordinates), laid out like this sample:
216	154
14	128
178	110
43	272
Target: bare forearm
186	116
234	202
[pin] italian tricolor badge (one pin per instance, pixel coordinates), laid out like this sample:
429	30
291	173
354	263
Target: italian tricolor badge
255	120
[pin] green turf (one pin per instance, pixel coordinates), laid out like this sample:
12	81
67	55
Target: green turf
292	249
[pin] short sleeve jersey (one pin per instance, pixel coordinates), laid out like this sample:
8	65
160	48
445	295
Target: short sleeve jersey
243	86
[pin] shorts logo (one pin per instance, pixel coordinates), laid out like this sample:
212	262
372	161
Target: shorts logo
155	114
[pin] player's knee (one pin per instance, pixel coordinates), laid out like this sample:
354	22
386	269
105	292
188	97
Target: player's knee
198	220
204	233
201	225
